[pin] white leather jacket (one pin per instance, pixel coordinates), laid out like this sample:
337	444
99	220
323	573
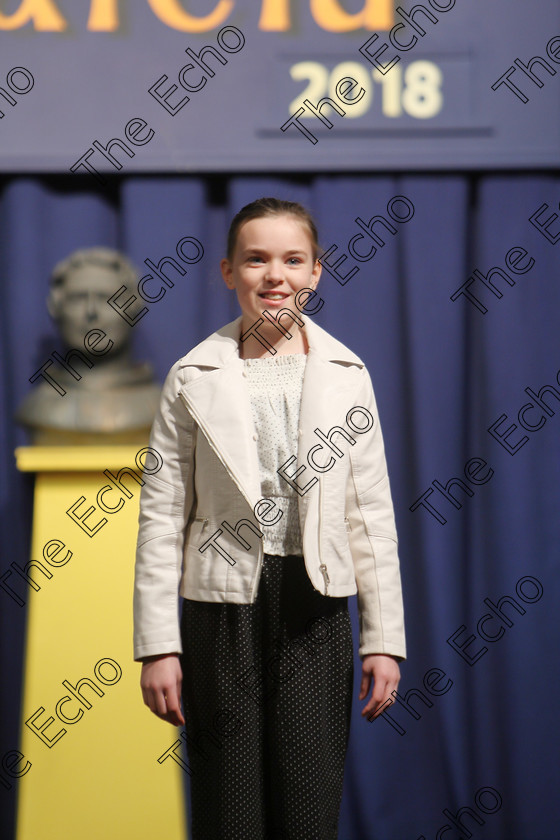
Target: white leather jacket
205	493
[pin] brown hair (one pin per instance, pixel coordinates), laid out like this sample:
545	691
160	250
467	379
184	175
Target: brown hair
272	207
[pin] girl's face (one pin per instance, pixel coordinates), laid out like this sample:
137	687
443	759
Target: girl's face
273	260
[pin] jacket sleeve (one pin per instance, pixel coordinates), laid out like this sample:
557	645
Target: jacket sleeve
373	537
166	501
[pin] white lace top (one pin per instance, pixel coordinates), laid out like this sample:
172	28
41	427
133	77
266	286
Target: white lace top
275	384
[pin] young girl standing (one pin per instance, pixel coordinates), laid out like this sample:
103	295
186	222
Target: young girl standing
272	507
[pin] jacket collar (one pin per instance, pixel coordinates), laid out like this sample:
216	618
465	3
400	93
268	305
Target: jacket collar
221	348
231	430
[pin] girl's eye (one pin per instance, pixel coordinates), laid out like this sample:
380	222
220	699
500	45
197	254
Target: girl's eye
294	261
255	259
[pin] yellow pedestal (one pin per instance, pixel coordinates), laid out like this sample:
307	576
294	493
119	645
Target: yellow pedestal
98	777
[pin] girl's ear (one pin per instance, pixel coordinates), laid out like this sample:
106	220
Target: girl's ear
227	273
316	273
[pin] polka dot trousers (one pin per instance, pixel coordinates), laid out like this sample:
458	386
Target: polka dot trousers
267	694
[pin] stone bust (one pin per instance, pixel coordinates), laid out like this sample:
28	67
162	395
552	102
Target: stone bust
99	394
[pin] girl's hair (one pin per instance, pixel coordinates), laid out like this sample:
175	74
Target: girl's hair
272	207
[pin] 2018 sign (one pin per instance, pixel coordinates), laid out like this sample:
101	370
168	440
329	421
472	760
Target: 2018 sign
426	79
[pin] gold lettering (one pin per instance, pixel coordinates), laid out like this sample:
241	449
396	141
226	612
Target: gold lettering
103	16
43	13
376	14
172	13
275	15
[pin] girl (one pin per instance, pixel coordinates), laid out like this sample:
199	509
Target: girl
272	506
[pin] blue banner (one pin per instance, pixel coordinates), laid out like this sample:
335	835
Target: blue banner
228	85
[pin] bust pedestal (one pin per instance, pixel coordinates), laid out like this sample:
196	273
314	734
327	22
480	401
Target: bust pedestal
95	771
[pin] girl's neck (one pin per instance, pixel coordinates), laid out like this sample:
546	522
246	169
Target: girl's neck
253	349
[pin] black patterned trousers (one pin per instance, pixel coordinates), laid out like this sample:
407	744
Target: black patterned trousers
267	695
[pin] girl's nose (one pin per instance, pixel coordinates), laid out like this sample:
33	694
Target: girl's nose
274	270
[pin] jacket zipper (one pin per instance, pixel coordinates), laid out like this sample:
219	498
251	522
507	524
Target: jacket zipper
325	577
322	566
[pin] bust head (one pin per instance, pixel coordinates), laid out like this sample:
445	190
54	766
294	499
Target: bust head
114	399
80	287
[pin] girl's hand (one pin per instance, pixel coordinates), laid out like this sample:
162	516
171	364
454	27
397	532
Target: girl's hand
386	675
160	682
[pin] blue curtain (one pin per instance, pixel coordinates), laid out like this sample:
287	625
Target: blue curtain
472	741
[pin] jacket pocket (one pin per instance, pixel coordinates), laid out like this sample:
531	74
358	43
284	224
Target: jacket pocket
197	531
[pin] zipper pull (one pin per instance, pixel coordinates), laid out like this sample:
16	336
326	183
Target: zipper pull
325	576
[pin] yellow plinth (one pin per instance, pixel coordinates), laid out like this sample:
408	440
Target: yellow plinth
98	777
